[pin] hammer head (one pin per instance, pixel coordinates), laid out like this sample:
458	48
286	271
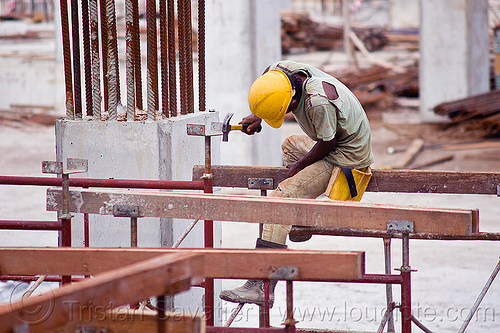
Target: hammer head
226	128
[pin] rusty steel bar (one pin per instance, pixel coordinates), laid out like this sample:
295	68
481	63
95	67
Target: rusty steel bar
233	315
68	75
181	33
111	183
492	236
86	230
164	58
152	72
289	321
129	63
113	64
480	298
172	72
136	41
30	225
189	57
86	56
105	53
201	56
77	78
264	318
29	278
95	111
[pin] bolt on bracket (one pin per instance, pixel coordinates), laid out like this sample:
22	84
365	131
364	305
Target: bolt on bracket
260	183
126	211
283	272
400	227
74	165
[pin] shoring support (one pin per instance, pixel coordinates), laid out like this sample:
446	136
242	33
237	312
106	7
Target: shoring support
289	322
406	286
209	233
388	286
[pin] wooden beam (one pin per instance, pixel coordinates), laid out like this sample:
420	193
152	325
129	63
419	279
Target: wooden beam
288	211
405	181
166	274
217	263
126	320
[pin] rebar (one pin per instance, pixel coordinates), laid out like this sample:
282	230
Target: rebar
95	111
164	58
152	69
70	111
201	56
181	31
184	235
136	40
77	83
189	56
86	56
388	287
480	298
129	63
104	47
113	73
233	315
172	72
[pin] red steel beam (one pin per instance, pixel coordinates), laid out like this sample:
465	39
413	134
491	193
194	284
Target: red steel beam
30	225
112	183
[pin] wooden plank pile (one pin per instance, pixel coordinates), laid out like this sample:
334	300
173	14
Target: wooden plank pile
479	114
377	84
300	32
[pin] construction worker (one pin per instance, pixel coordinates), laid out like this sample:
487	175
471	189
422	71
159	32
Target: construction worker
332	158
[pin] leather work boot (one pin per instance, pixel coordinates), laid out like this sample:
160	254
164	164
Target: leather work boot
253	290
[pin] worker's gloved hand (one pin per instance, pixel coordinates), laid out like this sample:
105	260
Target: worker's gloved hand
254	122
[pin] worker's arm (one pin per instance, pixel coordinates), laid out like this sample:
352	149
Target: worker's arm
317	152
254	122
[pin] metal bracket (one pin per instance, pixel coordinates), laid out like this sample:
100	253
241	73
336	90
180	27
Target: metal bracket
404	227
260	183
200	130
126	211
74	165
283	272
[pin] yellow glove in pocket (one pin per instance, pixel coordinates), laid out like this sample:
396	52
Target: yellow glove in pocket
338	186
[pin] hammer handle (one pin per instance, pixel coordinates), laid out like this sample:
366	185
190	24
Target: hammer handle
243	127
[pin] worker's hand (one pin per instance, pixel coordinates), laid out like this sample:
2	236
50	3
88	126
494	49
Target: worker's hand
293	169
254	122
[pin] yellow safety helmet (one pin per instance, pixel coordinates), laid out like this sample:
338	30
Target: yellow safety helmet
270	96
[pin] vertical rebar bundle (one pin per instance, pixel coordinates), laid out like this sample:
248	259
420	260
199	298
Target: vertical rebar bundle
169	69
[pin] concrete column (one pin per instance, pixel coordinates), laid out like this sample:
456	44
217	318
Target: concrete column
140	150
243	38
454	52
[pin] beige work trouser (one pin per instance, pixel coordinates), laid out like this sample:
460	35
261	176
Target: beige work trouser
309	183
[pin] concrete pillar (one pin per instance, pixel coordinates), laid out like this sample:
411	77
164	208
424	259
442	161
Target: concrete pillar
242	39
140	150
454	52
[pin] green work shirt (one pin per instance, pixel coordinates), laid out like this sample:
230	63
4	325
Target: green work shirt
322	118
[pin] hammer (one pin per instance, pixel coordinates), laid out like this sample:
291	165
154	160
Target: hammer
226	128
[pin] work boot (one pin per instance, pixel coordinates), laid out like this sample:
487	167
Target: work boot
297	235
253	290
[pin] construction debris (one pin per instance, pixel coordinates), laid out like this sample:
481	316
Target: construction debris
479	114
300	32
376	84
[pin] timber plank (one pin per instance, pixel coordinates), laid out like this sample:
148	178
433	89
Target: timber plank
406	181
217	263
287	211
128	320
165	274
